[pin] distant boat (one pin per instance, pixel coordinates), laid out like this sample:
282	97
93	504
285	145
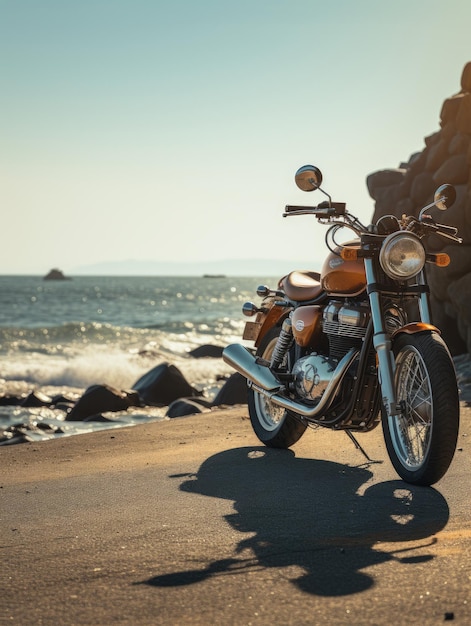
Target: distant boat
214	276
55	274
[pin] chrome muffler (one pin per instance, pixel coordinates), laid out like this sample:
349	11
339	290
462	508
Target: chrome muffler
266	383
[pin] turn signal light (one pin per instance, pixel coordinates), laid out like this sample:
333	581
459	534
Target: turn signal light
441	260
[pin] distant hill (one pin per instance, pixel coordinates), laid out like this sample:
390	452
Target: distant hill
231	267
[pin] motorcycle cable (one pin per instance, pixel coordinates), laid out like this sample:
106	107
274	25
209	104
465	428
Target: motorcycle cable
355	225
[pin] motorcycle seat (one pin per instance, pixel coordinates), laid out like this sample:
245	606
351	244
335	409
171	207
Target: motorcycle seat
302	285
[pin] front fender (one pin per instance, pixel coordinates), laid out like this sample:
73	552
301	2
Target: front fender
415	327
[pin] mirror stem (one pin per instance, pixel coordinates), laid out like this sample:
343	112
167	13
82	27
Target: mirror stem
326	194
429	206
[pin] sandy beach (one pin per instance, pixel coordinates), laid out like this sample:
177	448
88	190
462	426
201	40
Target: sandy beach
191	521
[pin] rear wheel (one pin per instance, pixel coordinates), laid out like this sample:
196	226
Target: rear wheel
421	440
273	425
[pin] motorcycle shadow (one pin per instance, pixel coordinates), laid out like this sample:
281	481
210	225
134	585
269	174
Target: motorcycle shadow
315	515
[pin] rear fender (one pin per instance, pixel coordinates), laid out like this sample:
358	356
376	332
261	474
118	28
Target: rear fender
264	321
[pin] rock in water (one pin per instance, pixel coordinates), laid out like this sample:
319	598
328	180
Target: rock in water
162	385
36	399
55	274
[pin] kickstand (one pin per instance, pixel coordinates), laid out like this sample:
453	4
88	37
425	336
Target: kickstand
358	446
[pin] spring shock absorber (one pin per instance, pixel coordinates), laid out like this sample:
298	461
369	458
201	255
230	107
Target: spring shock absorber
283	344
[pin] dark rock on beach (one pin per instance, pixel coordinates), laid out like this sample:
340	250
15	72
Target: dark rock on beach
446	158
233	392
184	407
11	400
27	433
162	385
102	398
36	399
208	350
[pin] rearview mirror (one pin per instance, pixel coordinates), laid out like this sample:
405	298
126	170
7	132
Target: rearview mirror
444	197
308	178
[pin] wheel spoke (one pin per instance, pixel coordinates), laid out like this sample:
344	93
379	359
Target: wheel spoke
269	412
415	383
414	425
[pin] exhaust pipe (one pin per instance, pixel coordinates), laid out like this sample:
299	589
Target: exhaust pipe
265	382
246	364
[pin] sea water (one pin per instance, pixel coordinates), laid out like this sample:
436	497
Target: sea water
66	335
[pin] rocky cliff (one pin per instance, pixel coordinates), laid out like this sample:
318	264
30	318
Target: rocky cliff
446	158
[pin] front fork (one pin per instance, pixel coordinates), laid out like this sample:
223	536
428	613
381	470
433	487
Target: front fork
382	341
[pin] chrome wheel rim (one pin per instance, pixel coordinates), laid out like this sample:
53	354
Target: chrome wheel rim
411	430
269	414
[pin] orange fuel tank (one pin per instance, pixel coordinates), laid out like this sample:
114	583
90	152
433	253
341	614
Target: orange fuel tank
343	278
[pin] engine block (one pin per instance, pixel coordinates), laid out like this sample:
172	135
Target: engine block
345	326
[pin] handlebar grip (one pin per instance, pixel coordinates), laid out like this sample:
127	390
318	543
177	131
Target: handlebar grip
324	209
292	208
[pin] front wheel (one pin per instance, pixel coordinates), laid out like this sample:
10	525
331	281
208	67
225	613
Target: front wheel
421	440
273	425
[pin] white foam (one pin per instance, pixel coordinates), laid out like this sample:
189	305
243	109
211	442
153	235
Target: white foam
116	368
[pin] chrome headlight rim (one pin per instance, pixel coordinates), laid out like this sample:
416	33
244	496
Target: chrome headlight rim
402	256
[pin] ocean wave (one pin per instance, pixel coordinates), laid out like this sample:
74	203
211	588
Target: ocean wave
182	336
61	338
103	354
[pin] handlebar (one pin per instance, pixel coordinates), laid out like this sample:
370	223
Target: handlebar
324	209
450	232
327	210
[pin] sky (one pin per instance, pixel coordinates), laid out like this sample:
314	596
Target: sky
148	130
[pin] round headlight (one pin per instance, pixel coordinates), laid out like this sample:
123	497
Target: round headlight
402	256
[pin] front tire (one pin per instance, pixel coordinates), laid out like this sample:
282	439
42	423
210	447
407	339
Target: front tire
421	440
274	426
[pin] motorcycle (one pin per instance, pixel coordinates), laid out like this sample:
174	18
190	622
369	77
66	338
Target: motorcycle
354	344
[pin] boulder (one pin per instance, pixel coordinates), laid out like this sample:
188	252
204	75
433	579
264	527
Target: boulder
463	117
459	144
162	385
10	400
234	391
186	406
101	399
454	171
459	294
36	399
450	109
422	188
446	158
384	178
207	350
436	155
